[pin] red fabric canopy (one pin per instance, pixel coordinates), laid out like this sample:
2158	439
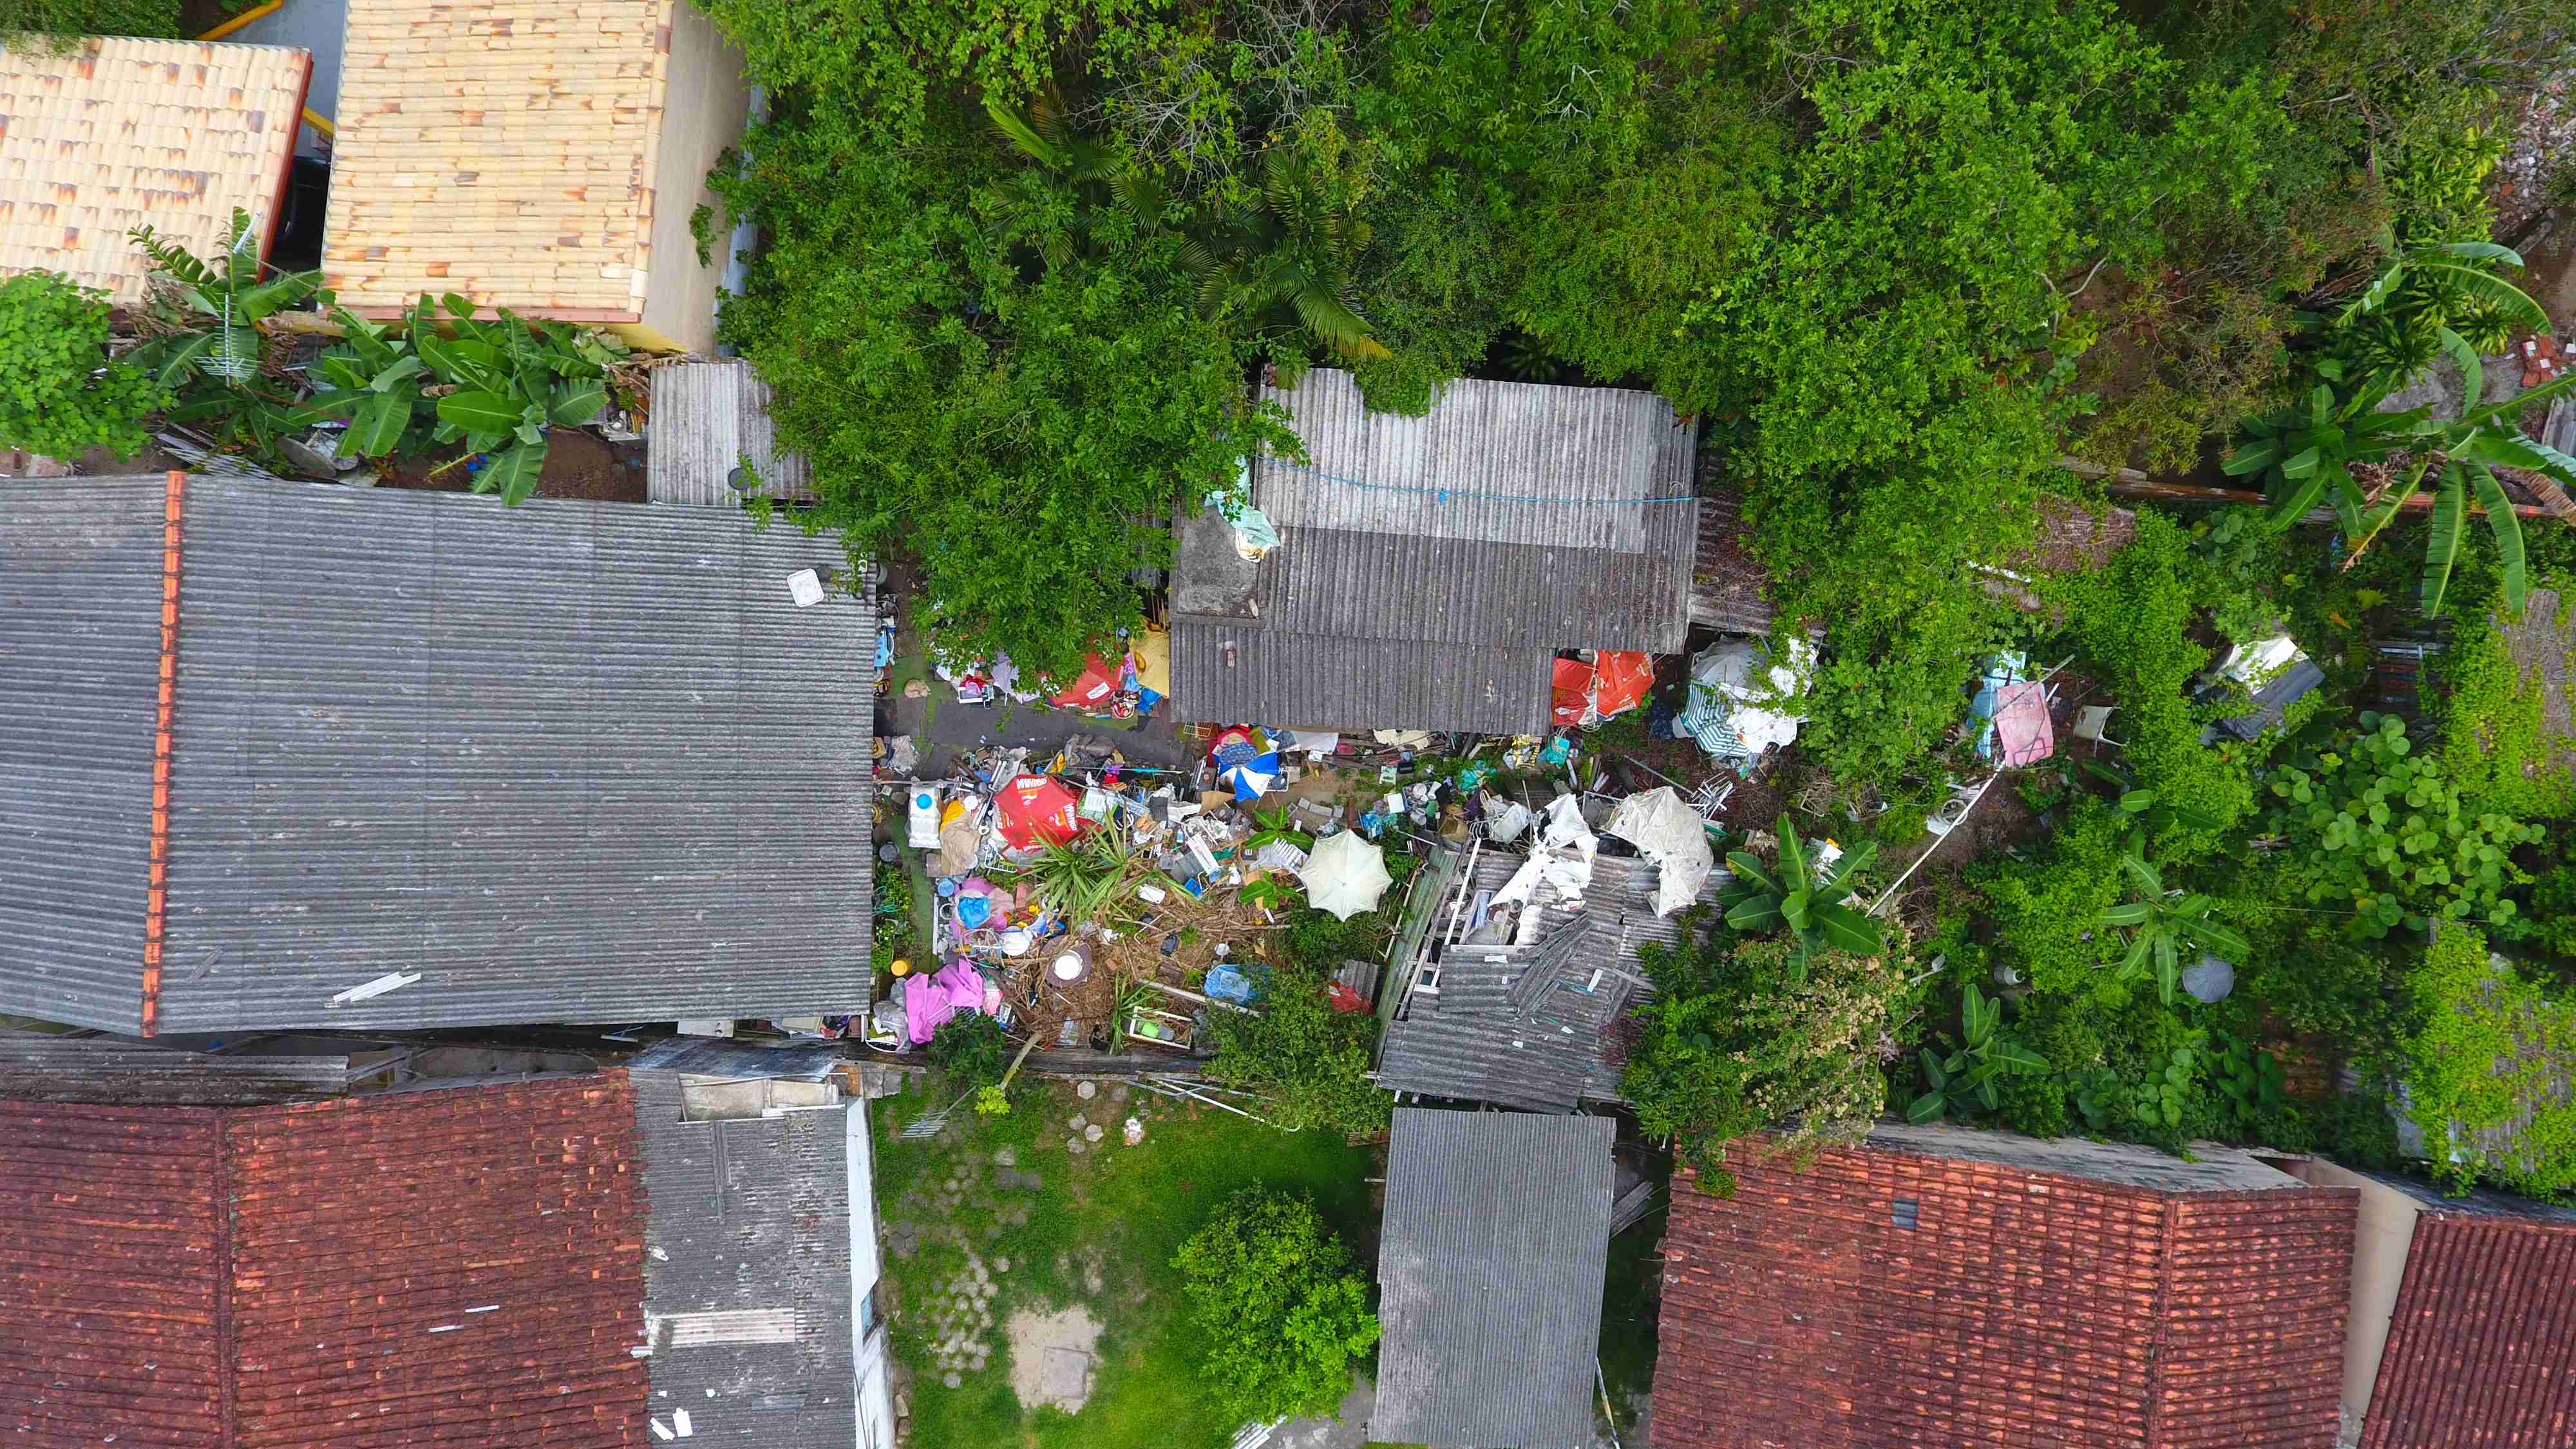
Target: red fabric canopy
1095	690
1615	682
1036	807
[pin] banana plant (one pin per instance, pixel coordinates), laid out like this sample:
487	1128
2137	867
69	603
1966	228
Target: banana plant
2307	454
212	313
207	345
1980	1055
1803	897
497	386
2160	923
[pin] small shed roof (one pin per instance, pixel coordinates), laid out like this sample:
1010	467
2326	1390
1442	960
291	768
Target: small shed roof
41	1067
1429	568
1948	1286
748	1291
707	418
117	133
1488	1036
574	761
505	152
1490	1265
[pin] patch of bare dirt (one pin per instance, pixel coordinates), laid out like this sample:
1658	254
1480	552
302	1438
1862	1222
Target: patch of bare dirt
1052	1357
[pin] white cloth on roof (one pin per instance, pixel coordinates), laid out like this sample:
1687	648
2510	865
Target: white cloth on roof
1660	825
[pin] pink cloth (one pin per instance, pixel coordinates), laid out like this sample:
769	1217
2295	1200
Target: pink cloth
930	1000
2023	735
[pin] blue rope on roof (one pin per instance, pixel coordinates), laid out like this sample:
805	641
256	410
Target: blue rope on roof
1443	493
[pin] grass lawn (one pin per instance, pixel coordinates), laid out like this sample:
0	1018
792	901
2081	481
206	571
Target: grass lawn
1099	1232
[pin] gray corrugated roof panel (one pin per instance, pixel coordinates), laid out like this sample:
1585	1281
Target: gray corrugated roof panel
807	1061
1511	517
707	417
2272	703
1470	1043
1490	1265
568	762
81	566
1314	680
747	1286
41	1068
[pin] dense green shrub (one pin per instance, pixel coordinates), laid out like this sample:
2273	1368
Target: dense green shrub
59	393
2493	1045
1737	1043
2047	912
970	1047
1277	1306
1312	1062
2495	741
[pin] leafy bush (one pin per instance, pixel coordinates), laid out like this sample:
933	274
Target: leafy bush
2377	829
2493	1045
1275	1302
1739	1042
970	1047
2495	739
1312	1061
59	394
2047	913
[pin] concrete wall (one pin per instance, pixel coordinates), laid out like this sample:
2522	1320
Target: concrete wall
2381	1241
703	108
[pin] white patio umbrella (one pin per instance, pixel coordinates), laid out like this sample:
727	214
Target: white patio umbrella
1345	875
1669	834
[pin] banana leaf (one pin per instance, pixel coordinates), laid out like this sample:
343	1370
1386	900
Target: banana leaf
2506	525
2442	540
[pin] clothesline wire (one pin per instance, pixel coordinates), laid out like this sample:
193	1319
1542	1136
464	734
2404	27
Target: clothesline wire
1445	494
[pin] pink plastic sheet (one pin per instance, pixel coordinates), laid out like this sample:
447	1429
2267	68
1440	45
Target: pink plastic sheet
2023	735
930	1000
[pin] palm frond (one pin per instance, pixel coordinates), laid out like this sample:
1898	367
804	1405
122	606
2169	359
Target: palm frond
2488	289
2442	543
2506	525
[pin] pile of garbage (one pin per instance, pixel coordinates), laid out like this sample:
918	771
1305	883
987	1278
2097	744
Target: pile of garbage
1125	686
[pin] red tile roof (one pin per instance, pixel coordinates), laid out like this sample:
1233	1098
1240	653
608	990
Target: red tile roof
308	1276
2482	1343
109	1255
2023	1308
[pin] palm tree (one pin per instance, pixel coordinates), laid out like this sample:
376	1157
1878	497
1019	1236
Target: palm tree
2427	299
1287	256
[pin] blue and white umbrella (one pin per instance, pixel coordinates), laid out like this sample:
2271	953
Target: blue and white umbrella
1247	760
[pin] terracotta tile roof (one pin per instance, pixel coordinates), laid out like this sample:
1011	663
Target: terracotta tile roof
2021	1307
308	1276
123	133
2482	1344
502	151
108	1266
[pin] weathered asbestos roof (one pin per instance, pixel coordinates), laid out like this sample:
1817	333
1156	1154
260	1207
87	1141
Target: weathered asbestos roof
39	1067
2481	1350
462	1266
2072	538
501	151
1729	590
707	418
2271	703
1474	1042
1889	1295
568	762
1490	1265
119	133
747	1279
1455	552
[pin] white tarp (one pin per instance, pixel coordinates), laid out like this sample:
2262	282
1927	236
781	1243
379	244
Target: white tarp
1664	829
1562	861
1345	874
1732	710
